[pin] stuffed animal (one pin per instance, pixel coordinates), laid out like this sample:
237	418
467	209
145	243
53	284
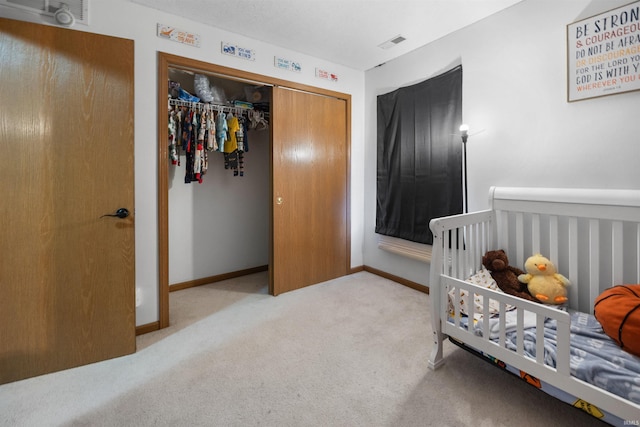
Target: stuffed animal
506	276
543	280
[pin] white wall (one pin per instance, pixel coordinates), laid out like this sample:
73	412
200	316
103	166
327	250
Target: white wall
514	89
121	18
221	225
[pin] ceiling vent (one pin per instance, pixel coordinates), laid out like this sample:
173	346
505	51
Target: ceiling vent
392	42
63	11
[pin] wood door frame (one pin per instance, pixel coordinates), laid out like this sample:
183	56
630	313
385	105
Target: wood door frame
166	61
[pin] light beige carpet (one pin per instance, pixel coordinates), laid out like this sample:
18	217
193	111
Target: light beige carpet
349	352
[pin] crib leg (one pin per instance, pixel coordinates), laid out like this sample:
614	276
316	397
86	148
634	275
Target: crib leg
436	359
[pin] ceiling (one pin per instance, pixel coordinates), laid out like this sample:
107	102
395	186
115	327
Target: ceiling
345	32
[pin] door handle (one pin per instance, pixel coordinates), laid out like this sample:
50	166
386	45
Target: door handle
120	213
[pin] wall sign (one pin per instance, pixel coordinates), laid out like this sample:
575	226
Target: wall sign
239	52
603	54
326	75
176	35
286	64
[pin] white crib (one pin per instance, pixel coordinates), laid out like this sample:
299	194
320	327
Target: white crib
592	236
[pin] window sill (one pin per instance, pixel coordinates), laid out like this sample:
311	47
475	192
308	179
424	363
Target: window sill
417	251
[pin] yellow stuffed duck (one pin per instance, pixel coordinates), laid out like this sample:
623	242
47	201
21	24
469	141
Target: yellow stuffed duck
543	280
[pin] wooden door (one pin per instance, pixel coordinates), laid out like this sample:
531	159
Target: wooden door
310	190
66	134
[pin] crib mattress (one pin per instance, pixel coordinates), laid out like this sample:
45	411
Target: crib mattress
595	359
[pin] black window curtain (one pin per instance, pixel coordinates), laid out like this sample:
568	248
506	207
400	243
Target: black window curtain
419	164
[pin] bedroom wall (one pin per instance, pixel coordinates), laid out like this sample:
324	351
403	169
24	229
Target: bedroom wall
121	18
514	94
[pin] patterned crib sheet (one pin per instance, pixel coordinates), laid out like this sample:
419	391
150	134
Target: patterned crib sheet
595	358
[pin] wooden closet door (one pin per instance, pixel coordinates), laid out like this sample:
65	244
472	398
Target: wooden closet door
66	133
310	189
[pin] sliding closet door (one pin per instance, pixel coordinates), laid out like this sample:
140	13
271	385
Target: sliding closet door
66	134
310	209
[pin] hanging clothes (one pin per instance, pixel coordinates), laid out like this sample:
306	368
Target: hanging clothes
221	130
196	129
212	144
173	137
245	127
232	127
241	140
188	145
231	145
199	163
179	123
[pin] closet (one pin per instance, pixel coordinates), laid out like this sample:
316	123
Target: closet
218	193
288	211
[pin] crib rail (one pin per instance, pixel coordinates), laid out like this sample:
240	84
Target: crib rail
459	241
593	237
454	327
558	376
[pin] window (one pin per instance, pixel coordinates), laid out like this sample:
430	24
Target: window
419	164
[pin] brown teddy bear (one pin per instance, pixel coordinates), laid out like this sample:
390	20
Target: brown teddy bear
506	276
